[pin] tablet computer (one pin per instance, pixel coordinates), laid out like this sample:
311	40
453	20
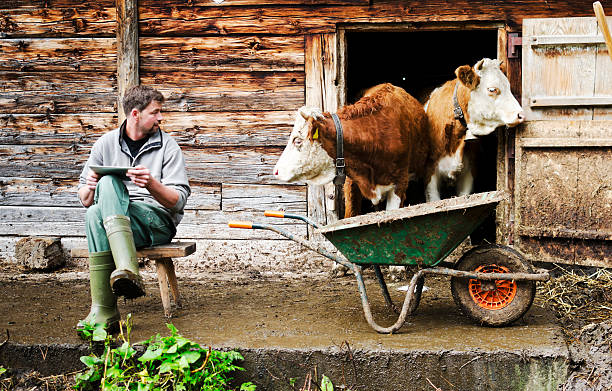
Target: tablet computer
111	170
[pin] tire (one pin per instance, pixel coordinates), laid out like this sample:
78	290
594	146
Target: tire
508	301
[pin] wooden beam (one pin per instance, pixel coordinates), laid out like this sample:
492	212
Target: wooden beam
127	49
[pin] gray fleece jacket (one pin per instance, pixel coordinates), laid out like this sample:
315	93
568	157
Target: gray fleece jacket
160	154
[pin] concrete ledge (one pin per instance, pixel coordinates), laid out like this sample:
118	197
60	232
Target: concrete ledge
271	369
287	327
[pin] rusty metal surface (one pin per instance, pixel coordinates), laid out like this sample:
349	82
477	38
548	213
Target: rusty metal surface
423	234
413	294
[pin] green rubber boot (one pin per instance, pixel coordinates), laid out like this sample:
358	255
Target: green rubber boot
103	301
125	279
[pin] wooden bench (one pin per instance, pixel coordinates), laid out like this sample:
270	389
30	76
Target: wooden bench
162	255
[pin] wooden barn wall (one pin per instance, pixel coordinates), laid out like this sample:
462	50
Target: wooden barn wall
233	74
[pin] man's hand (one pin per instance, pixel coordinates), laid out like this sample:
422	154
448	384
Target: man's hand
140	175
92	180
86	193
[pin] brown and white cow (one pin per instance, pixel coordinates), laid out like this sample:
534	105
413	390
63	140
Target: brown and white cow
483	93
384	146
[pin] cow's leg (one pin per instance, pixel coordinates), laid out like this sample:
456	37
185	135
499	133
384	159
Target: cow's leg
465	182
352	207
394	202
432	191
352	199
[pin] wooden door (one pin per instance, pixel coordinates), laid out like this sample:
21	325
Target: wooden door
563	199
321	67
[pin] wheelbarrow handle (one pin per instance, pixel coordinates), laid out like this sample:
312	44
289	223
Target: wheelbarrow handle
240	224
281	214
297	239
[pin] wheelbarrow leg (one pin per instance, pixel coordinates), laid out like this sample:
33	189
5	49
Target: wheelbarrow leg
406	307
385	291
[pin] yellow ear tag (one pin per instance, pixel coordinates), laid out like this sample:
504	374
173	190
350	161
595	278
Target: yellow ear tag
316	134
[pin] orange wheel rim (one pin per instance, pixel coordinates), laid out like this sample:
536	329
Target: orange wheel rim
492	299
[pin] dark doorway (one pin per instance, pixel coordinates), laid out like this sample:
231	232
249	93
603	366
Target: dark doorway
420	61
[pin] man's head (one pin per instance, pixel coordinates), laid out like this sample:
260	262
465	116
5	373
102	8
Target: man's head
139	97
142	106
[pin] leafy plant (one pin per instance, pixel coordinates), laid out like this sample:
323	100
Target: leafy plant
168	363
92	331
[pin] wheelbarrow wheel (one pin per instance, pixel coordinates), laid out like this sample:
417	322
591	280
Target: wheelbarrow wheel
494	303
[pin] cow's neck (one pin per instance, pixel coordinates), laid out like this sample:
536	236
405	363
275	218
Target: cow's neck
458	130
327	134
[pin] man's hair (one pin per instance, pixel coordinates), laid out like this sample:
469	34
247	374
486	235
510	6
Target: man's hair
139	97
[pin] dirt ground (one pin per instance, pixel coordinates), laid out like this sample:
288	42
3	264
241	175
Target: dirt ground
581	299
590	343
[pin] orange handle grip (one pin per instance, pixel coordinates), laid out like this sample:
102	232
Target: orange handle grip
240	224
274	213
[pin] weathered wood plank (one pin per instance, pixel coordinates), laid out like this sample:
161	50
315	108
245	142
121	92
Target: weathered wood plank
52	129
219	129
170	250
127	50
603	80
222	54
239	129
228	91
50	103
36	192
175	18
236	165
207	165
184	91
258	198
58	82
565	101
199	99
58	54
91	21
32	161
204	196
560	78
223	81
38	221
321	91
53	4
564	200
228	3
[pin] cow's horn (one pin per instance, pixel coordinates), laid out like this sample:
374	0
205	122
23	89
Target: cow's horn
479	64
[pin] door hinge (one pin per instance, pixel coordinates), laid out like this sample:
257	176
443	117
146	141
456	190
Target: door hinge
515	41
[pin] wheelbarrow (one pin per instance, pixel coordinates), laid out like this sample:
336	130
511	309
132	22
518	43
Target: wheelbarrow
493	284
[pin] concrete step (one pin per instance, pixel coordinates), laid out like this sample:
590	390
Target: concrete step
286	328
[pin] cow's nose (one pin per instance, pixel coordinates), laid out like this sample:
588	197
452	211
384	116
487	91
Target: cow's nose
276	171
520	117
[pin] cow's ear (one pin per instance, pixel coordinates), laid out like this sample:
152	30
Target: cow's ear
467	76
503	67
314	127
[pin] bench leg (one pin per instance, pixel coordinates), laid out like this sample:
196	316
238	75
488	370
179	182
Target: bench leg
173	283
162	278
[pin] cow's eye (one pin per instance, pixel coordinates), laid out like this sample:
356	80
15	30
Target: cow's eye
297	142
493	91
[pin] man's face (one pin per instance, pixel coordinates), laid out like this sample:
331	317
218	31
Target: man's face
150	118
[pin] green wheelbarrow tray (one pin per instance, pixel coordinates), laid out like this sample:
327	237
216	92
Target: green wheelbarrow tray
425	235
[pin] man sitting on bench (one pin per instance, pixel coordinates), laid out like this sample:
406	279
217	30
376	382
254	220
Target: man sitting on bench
133	209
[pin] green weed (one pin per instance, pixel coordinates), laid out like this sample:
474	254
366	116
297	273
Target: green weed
167	363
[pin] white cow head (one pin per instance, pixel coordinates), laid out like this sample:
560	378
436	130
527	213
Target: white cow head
491	102
304	159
